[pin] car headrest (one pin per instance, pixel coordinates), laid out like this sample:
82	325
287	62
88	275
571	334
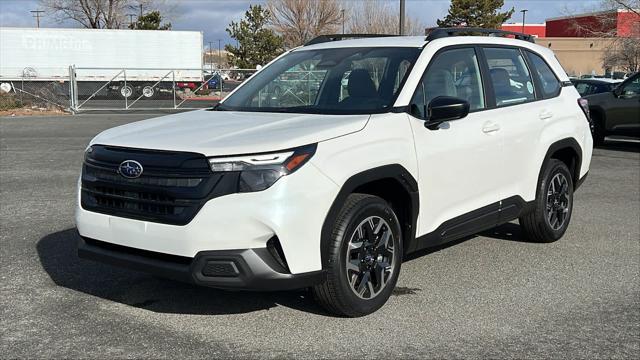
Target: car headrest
360	84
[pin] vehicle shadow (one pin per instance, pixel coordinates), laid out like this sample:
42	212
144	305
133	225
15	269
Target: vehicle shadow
508	231
58	256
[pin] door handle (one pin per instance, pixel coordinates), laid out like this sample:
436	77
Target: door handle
490	127
544	115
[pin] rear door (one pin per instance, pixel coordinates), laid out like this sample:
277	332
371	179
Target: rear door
521	118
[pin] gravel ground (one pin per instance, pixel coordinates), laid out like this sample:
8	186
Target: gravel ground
492	295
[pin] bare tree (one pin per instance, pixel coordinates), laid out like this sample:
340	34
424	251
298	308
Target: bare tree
101	14
299	21
621	51
96	14
630	5
379	17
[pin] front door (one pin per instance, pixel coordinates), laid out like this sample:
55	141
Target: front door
623	115
458	163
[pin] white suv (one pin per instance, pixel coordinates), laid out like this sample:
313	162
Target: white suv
337	159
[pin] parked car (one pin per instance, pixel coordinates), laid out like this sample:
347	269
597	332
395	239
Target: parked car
215	81
331	192
616	112
594	86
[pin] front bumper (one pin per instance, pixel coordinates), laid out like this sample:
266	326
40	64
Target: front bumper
246	269
287	210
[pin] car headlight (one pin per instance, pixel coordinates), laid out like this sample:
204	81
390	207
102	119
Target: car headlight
87	152
258	172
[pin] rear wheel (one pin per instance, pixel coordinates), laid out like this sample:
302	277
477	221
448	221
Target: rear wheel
553	205
364	257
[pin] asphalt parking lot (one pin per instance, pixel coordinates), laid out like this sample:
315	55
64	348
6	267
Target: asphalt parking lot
488	296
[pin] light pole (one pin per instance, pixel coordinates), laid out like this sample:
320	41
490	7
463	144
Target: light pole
219	53
524	12
342	12
401	17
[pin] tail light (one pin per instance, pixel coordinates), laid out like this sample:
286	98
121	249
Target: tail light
584	105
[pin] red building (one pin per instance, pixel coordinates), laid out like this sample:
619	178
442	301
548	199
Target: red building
612	23
538	30
622	23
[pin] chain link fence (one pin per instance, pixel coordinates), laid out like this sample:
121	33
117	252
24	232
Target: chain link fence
78	89
151	89
37	88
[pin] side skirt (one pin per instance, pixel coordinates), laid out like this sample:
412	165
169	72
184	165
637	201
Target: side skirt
474	222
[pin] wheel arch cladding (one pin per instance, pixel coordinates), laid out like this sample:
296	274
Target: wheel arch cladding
394	184
570	153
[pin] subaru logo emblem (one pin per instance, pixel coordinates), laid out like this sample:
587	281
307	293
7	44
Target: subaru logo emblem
130	169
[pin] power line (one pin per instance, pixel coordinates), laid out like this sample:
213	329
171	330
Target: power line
36	14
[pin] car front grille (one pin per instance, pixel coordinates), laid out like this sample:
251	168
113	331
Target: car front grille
171	189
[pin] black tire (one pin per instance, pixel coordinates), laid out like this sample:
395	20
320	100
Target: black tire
337	294
539	224
597	129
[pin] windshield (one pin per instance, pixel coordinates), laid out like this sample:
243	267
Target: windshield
333	81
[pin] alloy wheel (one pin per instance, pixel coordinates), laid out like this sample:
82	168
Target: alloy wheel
558	201
369	259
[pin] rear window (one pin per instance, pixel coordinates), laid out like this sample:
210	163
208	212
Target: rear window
510	77
546	77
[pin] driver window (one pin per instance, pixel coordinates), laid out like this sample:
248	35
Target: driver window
452	73
632	89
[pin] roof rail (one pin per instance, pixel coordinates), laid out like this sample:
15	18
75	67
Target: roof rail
335	37
438	33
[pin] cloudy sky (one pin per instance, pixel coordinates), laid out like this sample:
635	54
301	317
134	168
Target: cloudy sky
213	16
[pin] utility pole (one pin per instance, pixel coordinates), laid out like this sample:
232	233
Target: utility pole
36	14
523	11
219	52
210	57
401	17
131	20
342	12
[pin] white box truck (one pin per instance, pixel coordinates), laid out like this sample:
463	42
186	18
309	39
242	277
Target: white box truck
132	61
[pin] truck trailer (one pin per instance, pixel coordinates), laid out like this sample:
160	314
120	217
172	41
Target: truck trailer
131	63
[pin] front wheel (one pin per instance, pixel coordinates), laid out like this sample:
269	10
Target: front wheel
549	220
364	257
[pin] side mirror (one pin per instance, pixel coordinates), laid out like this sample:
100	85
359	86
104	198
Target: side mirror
445	108
617	91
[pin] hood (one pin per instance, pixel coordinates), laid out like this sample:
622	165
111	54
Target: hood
215	133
